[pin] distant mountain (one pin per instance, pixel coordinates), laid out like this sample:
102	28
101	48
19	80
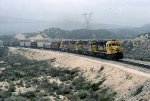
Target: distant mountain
131	32
11	25
72	25
57	33
145	28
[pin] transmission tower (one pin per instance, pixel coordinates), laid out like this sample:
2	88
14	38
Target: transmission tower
87	18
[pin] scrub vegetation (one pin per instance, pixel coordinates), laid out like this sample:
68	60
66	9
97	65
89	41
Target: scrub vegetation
32	80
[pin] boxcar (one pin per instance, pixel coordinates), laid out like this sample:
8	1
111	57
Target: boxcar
1	43
55	45
16	44
6	43
47	45
10	43
22	44
40	44
33	44
27	44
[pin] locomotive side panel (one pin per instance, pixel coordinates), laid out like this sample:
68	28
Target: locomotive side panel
72	46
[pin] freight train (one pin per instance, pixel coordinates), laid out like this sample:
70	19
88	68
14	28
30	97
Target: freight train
109	49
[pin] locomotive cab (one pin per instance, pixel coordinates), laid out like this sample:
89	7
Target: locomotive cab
114	49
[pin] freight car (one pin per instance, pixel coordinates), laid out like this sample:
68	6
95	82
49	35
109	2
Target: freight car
10	43
27	44
21	44
6	43
55	45
16	44
40	44
33	44
47	45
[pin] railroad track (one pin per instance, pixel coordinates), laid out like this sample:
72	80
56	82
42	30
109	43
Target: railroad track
135	64
145	67
131	62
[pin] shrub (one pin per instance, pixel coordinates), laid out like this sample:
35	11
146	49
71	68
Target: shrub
74	86
30	94
19	98
11	87
82	94
44	99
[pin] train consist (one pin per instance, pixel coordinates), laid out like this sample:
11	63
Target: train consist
110	49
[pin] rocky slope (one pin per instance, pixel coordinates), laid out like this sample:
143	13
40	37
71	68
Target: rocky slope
139	47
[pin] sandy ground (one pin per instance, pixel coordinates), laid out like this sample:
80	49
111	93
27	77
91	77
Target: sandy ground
117	77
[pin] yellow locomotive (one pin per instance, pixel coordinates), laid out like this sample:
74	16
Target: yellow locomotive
105	49
114	50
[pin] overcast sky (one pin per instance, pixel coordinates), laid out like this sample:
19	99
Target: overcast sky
121	12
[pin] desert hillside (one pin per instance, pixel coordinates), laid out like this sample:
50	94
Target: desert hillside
129	84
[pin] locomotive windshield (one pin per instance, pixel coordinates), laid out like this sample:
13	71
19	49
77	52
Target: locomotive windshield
115	44
94	44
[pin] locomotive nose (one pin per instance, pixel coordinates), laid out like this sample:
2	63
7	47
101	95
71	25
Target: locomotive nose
117	48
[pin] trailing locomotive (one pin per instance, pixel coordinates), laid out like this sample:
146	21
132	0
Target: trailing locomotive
110	49
104	49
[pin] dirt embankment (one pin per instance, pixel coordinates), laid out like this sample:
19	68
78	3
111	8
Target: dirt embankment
129	84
